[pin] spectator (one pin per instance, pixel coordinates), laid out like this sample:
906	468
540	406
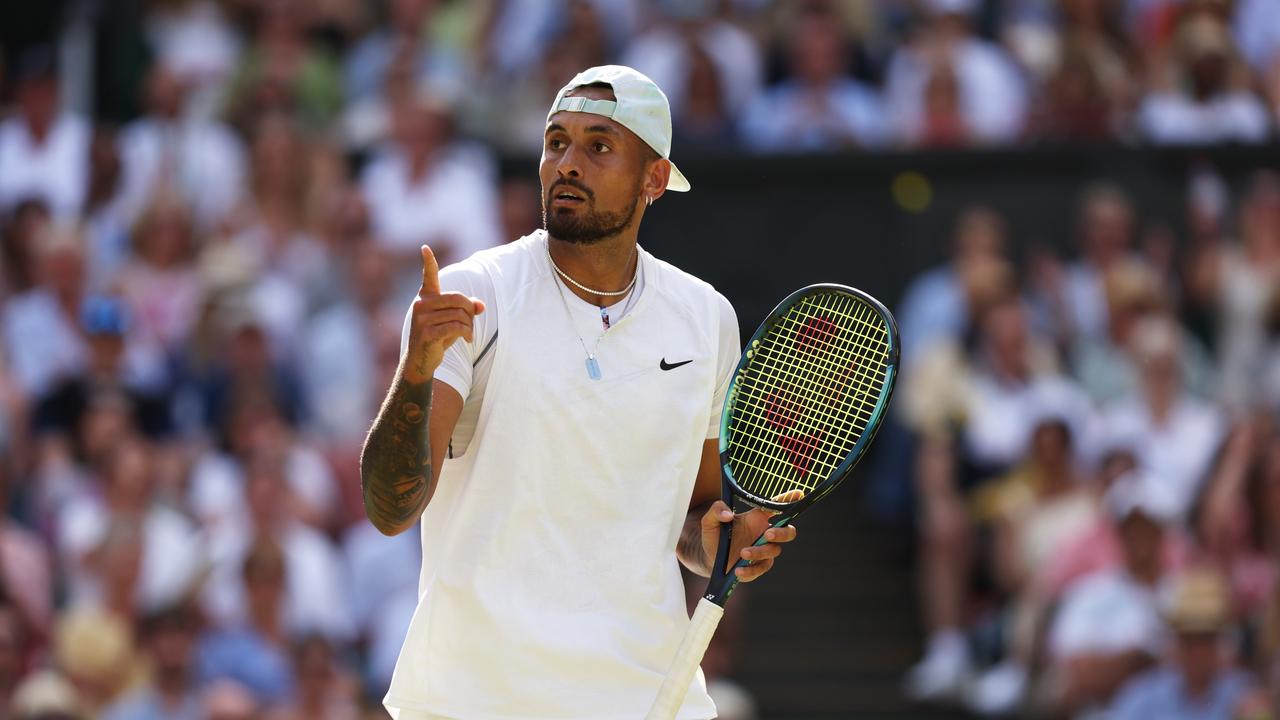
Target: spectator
1198	681
1075	296
1240	281
283	72
44	151
383	582
324	692
168	637
665	50
194	41
1174	434
41	336
106	222
28	223
986	92
46	695
426	189
992	397
343	389
198	162
1211	107
314	601
96	652
403	39
122	549
160	282
252	653
108	370
819	108
1108	627
229	700
1105	365
939	302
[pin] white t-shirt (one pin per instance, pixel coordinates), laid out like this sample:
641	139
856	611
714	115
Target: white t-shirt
550	586
1108	612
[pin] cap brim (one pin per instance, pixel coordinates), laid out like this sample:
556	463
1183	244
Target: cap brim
678	182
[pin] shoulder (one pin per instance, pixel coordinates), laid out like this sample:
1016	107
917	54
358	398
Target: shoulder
687	289
1140	691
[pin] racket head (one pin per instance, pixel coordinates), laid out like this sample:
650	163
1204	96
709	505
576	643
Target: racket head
808	396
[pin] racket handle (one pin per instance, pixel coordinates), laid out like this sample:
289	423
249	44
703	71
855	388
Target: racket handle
676	685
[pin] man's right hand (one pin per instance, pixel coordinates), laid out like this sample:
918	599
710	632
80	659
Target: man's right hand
438	319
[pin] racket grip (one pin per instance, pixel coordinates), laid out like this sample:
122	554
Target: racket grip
676	685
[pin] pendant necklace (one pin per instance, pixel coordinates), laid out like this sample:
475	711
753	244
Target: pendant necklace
593	367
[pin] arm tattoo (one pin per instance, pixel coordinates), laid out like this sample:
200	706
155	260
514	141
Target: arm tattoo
395	466
689	549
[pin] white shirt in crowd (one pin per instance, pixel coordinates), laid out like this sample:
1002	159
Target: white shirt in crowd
549	585
454	204
789	117
993	94
202	160
1178	119
1107	612
55	170
1177	452
663	54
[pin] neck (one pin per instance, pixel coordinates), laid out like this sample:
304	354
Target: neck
608	265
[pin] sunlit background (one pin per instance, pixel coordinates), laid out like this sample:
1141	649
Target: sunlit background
210	213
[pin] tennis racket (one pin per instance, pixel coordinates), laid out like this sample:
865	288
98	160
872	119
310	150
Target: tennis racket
804	403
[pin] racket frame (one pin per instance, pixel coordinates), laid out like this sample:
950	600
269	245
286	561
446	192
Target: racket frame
722	583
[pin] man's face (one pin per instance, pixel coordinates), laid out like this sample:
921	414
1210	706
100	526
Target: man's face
592	174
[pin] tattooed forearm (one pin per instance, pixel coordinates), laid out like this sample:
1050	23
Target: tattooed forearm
395	466
689	549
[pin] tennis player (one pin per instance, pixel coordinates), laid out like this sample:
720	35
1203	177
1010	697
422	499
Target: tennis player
564	454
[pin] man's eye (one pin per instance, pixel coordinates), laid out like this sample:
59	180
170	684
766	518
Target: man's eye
602	148
555	144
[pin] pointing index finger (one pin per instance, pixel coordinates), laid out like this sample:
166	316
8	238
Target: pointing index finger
430	273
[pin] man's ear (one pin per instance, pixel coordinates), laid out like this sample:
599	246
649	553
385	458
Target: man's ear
655	179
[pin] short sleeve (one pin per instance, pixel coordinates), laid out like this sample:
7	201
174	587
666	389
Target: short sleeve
469	278
730	348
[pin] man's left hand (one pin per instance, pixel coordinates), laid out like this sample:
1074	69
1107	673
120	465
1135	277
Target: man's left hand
747	527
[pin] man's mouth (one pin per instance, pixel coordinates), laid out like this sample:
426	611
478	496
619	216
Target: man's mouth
568	198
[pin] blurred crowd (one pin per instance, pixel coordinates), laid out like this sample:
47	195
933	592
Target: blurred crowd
1095	447
210	213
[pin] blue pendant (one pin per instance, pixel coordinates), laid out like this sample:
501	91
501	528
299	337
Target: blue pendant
593	368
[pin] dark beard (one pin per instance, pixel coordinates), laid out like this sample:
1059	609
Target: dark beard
585	227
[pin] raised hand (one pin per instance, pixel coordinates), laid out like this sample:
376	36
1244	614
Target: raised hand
438	319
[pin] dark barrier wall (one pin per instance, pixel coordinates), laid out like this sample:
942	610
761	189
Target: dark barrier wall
760	227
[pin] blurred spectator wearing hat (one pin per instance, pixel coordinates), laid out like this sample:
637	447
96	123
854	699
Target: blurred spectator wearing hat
46	695
946	73
1209	100
43	151
1107	628
111	366
168	150
1197	682
818	107
96	651
1106	365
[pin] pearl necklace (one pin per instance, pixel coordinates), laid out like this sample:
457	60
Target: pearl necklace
584	288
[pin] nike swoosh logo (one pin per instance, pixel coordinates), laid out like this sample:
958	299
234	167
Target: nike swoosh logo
671	366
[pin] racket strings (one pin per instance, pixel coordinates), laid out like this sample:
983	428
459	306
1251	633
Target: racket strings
807	394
